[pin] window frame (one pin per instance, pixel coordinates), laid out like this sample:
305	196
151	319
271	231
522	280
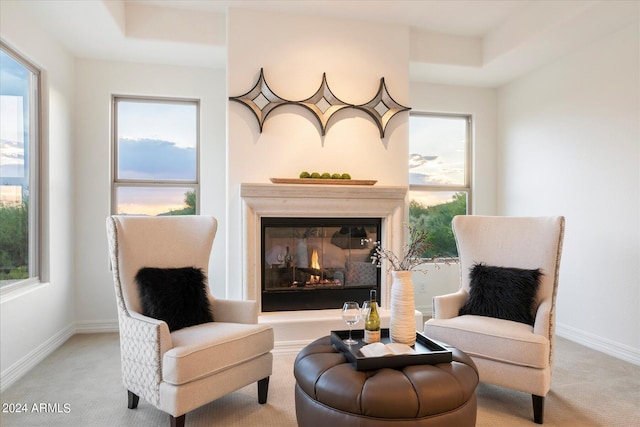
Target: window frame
35	176
467	185
117	182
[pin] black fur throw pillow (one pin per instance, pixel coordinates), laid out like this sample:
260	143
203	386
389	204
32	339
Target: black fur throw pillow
176	295
502	292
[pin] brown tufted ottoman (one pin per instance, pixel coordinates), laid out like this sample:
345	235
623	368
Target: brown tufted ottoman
330	392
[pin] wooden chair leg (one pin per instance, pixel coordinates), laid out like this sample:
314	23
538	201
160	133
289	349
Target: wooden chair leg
177	421
133	400
538	408
263	390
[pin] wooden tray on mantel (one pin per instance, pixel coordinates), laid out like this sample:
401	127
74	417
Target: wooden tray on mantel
327	181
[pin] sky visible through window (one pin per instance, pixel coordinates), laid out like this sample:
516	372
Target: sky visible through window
437	153
18	172
157	141
14	87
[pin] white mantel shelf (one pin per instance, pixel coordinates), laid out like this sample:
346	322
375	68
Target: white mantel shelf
321	191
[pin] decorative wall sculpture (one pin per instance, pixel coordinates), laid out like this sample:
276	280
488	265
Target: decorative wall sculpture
261	100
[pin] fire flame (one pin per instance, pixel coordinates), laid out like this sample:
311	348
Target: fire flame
315	264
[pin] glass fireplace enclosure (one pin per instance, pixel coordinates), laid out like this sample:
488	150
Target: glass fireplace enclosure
317	263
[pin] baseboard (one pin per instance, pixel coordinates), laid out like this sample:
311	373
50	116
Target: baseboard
598	343
16	371
97	326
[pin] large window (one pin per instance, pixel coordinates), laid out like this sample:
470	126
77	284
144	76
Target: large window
155	161
19	143
439	176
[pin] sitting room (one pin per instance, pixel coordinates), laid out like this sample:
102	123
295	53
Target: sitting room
313	132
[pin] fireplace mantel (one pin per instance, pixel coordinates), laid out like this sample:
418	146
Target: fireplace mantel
321	191
312	200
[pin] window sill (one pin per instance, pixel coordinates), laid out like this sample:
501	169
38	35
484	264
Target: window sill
18	289
442	261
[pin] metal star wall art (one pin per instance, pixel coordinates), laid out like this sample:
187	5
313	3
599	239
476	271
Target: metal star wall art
324	104
261	100
382	107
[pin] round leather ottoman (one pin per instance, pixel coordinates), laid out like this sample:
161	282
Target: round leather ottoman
330	392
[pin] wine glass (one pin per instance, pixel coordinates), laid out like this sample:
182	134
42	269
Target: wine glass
351	316
366	306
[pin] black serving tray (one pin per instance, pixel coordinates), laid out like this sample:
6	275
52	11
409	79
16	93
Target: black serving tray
428	352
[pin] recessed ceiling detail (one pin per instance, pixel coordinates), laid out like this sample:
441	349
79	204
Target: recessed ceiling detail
261	100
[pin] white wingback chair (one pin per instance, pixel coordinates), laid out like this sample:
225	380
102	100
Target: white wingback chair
507	353
182	370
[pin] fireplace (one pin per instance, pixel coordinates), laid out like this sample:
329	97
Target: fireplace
317	263
263	201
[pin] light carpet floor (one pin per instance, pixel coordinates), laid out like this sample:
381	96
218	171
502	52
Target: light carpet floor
79	385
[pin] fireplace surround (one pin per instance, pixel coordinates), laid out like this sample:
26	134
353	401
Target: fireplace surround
259	201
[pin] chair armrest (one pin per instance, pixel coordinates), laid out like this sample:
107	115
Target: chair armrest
234	311
148	331
143	342
160	328
447	306
542	324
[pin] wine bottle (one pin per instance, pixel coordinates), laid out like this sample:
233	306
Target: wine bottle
372	320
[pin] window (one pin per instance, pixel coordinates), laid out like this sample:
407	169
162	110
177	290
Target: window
19	145
155	161
439	171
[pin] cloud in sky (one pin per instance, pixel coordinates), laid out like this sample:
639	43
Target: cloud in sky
438	147
152	159
417	160
11	152
435	170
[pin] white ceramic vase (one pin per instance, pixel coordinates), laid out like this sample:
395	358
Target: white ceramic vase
402	327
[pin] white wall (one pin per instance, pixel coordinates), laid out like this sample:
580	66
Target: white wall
96	82
481	104
570	146
35	322
294	52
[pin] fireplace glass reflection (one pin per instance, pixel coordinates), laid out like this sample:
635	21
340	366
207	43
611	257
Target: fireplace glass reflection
317	263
